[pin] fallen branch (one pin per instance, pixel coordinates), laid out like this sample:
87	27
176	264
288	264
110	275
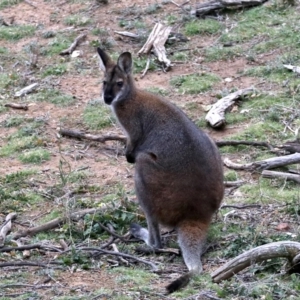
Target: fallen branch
245	206
291	147
30	247
209	7
96	138
28	263
76	42
156	40
295	69
286	249
30	3
287	176
269	163
16	106
57	222
6	227
28	89
216	115
236	183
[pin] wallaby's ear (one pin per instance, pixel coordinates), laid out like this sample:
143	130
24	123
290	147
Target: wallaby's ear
125	62
105	60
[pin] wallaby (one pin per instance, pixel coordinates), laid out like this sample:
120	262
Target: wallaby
178	169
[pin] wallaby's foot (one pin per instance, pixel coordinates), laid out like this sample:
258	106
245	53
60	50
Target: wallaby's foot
139	232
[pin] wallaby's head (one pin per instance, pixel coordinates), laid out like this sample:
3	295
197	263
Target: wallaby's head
117	83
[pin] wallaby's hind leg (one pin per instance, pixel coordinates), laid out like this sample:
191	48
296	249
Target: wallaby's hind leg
191	237
151	236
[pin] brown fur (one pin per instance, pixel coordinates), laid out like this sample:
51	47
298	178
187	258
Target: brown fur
178	172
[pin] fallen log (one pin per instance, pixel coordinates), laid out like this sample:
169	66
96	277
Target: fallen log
295	69
287	249
274	174
216	115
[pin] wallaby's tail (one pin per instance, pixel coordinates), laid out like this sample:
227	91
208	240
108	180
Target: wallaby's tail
179	283
191	236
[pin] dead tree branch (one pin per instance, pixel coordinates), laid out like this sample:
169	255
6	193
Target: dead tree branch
6	228
73	46
216	115
269	163
57	222
287	249
96	138
209	7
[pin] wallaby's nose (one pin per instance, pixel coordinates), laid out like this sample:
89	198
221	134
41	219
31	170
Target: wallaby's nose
108	99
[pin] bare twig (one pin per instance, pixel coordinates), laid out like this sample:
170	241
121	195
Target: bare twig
30	247
30	3
76	42
147	67
128	34
241	206
295	69
28	263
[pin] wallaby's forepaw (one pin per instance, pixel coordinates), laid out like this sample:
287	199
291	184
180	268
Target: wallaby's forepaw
179	283
139	232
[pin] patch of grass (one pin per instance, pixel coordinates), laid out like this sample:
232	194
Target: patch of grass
16	32
59	43
53	96
13	121
195	83
3	50
202	27
7	3
56	70
159	91
222	53
137	277
152	8
181	56
19	144
97	115
35	156
140	65
77	20
8	79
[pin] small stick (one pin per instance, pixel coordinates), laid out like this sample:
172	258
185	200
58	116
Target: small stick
241	206
147	67
76	42
16	106
115	248
128	34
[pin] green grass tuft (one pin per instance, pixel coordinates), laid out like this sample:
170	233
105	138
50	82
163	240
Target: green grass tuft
17	32
35	156
202	27
53	96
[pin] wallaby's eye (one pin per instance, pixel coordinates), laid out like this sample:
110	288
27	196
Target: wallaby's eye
104	82
119	83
